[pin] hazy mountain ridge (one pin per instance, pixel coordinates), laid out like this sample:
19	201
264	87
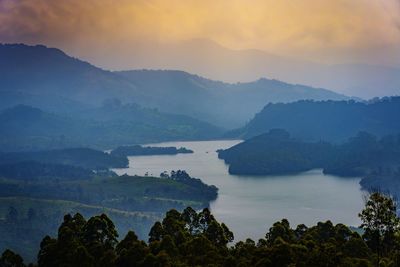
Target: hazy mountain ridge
221	103
326	120
28	128
49	73
220	63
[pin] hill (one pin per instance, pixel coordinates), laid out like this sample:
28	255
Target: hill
375	160
29	208
326	120
37	217
215	61
224	104
51	80
28	128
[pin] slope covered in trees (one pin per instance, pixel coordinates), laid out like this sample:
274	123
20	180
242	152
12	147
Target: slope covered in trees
148	150
49	190
81	157
377	161
191	238
49	79
114	124
326	120
225	104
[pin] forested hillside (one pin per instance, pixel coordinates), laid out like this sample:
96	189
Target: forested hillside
28	128
49	79
38	187
376	160
191	238
326	120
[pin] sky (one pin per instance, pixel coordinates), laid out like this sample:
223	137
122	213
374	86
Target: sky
129	33
285	27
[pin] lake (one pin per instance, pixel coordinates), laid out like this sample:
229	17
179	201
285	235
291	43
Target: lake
249	205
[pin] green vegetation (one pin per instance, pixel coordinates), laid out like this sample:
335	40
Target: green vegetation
275	153
333	121
138	150
191	238
24	128
376	160
24	221
49	79
134	202
31	170
80	157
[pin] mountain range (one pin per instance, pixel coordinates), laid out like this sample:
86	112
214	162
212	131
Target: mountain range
49	79
349	75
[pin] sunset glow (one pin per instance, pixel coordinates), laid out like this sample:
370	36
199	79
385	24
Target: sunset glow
319	30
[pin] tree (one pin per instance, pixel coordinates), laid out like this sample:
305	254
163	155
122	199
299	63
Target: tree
156	232
280	230
10	259
380	222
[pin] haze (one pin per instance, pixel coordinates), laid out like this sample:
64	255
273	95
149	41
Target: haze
196	35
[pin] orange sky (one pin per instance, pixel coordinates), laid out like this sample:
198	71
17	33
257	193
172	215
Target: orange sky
319	30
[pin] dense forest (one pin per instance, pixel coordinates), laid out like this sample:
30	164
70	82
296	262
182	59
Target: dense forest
80	157
132	200
138	150
38	187
191	238
377	160
25	128
333	121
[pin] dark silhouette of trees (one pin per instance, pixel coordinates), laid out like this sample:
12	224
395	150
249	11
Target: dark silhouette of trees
192	238
10	259
380	222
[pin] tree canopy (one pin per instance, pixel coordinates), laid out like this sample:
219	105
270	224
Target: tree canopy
196	238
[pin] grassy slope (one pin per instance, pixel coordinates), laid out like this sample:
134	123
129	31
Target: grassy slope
24	235
126	200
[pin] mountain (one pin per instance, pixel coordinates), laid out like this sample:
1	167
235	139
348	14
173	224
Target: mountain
27	128
326	120
49	71
53	81
220	103
209	59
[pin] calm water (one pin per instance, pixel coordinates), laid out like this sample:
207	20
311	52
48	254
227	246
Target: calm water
250	205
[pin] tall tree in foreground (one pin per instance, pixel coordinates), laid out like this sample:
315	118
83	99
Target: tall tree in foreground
380	222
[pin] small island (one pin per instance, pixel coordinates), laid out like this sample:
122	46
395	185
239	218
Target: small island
138	150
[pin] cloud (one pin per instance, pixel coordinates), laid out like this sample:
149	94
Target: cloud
283	27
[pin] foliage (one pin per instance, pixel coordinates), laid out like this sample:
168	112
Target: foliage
380	222
377	161
333	121
31	171
191	238
25	221
138	150
275	153
36	218
80	157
